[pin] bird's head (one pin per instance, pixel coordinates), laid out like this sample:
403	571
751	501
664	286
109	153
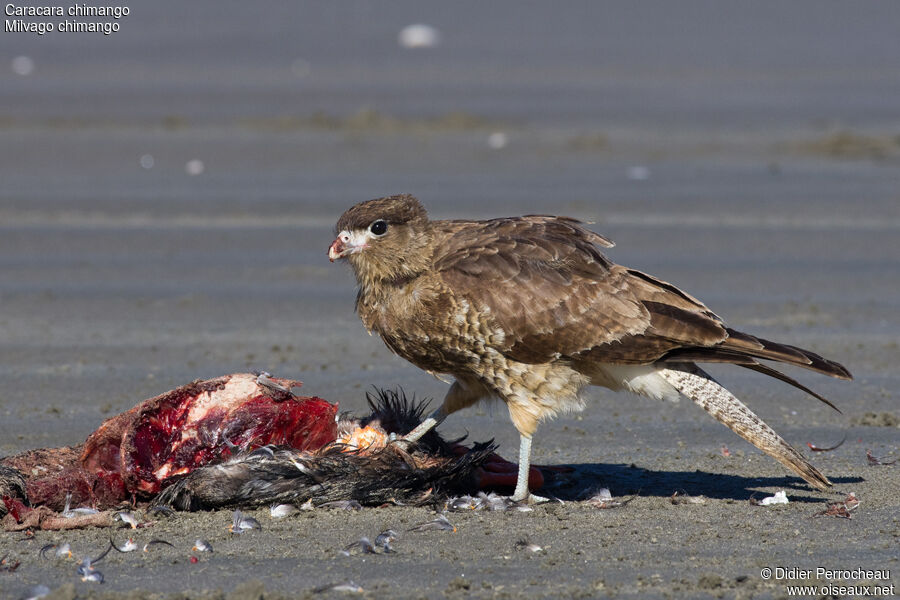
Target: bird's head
386	238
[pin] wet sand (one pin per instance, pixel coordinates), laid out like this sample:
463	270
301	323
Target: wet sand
753	162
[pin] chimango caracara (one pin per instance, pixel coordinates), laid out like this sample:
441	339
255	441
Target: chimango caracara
529	310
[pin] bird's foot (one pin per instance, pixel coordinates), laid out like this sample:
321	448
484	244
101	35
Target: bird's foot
400	442
530	499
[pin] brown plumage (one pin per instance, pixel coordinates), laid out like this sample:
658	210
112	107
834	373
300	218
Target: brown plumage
529	310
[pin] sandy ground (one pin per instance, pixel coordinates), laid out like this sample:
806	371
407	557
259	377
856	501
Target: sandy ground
750	158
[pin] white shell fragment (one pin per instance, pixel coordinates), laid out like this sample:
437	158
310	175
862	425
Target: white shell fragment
497	140
419	36
23	65
194	167
780	497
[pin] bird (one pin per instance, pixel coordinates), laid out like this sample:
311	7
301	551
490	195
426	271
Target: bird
529	310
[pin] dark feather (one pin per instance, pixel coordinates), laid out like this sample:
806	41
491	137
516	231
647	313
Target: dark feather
767	370
739	347
332	474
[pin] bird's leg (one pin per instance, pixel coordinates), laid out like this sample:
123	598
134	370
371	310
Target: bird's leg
460	395
430	422
521	492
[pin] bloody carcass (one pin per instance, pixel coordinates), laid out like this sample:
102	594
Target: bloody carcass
246	439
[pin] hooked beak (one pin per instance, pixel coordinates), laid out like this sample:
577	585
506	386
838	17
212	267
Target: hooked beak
344	245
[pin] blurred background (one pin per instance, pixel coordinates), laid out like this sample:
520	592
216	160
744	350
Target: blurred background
168	191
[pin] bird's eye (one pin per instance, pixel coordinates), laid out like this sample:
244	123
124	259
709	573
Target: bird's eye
379	227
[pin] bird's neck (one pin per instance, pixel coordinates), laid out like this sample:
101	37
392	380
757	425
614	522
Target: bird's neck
379	276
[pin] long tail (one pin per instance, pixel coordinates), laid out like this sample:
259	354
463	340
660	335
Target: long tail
696	384
743	349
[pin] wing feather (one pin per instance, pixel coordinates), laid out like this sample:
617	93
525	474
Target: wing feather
547	285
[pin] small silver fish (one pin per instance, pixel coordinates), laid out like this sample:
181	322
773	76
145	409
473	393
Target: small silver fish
241	523
384	540
439	524
86	566
492	502
62	551
127	517
93	577
129	546
363	544
157	542
68	512
462	503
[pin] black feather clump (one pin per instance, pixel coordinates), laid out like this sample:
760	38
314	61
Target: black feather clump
427	473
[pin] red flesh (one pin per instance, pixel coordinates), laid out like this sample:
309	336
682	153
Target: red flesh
137	451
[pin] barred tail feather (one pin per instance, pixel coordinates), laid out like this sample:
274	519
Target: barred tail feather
700	387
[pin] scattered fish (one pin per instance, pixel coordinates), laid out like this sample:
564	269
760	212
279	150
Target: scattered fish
87	570
363	544
384	540
279	511
93	577
462	503
129	546
815	448
156	542
87	563
128	518
492	502
241	523
202	546
439	524
62	551
68	512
